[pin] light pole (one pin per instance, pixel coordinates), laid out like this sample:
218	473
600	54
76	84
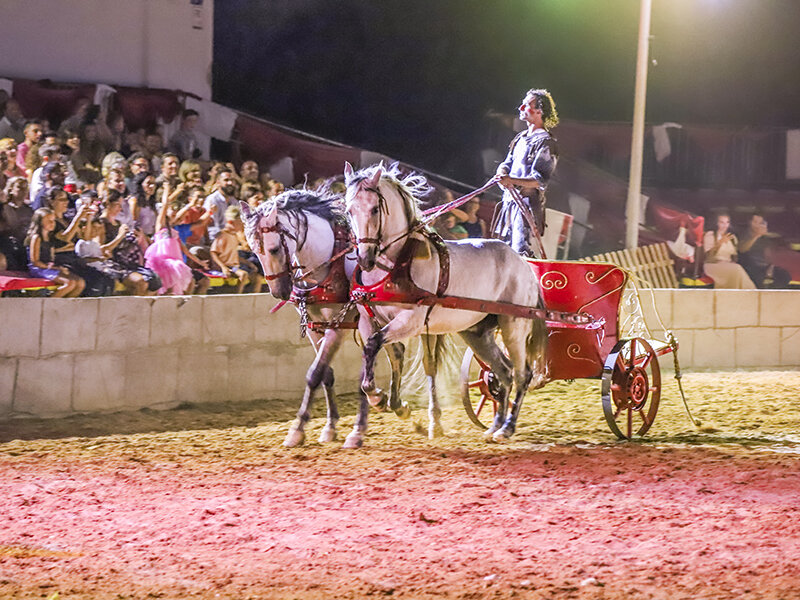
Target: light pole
637	142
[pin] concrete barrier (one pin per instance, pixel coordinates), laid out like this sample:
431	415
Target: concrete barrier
62	356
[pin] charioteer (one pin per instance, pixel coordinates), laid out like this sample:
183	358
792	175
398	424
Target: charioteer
528	167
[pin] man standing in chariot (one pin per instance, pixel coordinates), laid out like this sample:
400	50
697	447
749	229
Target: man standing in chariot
530	163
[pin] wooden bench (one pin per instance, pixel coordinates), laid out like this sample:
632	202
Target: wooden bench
652	264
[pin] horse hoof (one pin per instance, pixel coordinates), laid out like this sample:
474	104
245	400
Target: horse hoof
295	437
378	399
328	434
353	441
435	431
501	436
488	435
404	412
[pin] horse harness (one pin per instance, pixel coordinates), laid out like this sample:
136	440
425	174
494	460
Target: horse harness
334	289
397	287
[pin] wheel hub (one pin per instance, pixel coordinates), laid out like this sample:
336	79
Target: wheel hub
637	387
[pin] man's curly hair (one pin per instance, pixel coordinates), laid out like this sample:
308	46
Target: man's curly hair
545	102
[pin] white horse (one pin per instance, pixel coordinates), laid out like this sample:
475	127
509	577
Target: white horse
384	217
294	237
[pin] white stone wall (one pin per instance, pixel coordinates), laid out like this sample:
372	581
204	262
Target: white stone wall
60	356
731	328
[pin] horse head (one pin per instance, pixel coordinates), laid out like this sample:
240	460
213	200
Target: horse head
381	210
273	243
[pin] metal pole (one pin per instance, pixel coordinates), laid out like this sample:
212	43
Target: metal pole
637	141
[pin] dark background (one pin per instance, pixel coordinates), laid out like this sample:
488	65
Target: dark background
413	79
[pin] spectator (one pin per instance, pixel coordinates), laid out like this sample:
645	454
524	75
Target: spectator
123	257
33	135
137	163
49	174
92	147
142	203
113	160
447	226
190	172
272	188
194	216
79	170
68	234
218	201
41	260
468	218
755	255
225	253
12	125
115	181
169	173
252	194
15	218
184	142
249	172
113	133
9	149
78	117
720	263
152	148
165	256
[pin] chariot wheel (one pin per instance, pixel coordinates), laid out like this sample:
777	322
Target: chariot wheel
631	388
476	375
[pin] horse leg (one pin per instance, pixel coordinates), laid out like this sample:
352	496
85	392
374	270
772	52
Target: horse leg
355	439
328	433
527	342
430	364
325	346
486	349
397	352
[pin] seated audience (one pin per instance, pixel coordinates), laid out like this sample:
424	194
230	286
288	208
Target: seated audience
142	203
8	147
15	218
122	258
720	263
225	254
33	135
755	255
468	218
12	125
41	259
218	201
184	142
447	226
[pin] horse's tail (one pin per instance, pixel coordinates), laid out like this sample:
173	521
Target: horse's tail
448	359
536	352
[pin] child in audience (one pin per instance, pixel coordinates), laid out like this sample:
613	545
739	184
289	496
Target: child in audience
225	253
41	257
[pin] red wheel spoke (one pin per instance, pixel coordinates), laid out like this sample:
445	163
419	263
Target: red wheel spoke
630	423
479	408
616	412
632	357
645	418
647	358
476	384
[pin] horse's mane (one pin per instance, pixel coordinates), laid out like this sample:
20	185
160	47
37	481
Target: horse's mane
294	203
412	186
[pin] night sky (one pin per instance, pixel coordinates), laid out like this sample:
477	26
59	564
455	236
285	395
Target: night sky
413	78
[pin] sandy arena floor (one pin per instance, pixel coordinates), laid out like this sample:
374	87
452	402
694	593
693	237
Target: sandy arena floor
203	502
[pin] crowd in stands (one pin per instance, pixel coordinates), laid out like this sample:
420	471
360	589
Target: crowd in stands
95	209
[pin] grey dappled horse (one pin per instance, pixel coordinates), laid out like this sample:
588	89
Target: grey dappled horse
382	209
297	228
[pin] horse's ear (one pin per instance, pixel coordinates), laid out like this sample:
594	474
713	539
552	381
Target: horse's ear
246	211
376	178
348	172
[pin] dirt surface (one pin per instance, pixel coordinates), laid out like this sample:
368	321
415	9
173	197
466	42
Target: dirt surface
203	502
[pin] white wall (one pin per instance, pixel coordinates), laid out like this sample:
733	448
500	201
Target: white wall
151	43
60	356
